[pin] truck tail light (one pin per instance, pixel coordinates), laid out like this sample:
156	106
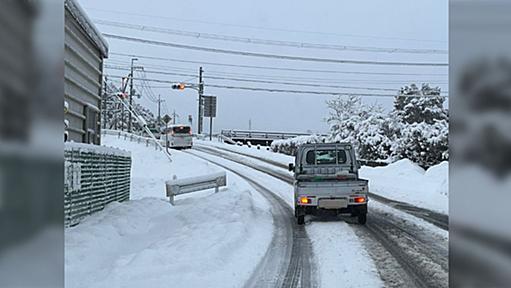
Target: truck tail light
305	200
359	199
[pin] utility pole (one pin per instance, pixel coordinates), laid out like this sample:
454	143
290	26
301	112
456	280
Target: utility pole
201	91
159	110
174	116
159	120
131	92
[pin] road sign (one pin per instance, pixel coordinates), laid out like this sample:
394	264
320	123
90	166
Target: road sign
166	118
209	106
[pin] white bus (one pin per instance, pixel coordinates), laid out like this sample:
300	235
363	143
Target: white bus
178	136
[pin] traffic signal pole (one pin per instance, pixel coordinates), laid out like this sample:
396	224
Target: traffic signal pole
201	91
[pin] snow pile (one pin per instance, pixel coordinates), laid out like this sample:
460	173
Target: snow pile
207	240
149	243
407	182
151	168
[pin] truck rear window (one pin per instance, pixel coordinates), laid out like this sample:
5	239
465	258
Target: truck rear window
325	157
181	130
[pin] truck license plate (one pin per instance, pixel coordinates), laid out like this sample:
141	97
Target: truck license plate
332	203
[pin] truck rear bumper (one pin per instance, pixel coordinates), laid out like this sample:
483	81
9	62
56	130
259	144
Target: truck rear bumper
314	210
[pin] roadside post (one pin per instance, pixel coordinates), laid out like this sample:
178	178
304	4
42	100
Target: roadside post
166	119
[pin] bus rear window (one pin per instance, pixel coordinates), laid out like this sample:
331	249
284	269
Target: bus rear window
181	130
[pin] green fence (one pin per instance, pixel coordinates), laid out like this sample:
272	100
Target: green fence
93	177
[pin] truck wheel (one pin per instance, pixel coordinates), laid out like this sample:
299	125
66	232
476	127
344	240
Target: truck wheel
362	218
300	219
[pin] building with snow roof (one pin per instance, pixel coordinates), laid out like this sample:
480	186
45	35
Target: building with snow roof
84	53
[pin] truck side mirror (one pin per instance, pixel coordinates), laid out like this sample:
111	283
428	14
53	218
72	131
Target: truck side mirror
291	167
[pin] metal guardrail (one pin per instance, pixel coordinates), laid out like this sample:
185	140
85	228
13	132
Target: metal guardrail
227	139
132	137
260	135
187	185
93	177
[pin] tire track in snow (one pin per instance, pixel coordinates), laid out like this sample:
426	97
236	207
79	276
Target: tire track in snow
424	262
438	219
289	253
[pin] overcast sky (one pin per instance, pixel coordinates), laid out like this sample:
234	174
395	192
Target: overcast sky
384	24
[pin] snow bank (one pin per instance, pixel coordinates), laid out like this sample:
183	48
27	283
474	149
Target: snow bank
213	241
151	168
407	182
207	240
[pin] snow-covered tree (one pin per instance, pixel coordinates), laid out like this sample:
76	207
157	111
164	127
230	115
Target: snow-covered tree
115	118
422	127
416	128
423	143
414	105
362	125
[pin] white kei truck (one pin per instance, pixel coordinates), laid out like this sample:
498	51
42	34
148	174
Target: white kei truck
326	178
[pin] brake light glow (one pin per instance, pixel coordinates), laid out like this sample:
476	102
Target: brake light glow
305	200
359	199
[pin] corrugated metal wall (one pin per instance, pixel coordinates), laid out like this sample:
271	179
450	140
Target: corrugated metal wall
83	82
93	179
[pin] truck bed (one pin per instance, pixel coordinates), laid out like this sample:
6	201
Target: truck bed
331	188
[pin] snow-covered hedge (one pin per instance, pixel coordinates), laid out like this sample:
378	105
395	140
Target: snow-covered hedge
289	146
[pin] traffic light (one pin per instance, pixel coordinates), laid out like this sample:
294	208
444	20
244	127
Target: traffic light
178	86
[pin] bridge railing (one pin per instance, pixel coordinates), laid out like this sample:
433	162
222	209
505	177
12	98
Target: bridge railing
245	134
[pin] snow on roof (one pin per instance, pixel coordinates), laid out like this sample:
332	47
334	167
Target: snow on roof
84	21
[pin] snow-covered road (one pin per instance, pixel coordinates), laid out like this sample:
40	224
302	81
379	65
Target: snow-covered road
418	249
338	255
244	235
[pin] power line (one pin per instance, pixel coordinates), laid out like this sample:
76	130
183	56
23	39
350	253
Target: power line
285	90
117	12
280	77
269	76
273	56
261	81
316	79
267	41
273	68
